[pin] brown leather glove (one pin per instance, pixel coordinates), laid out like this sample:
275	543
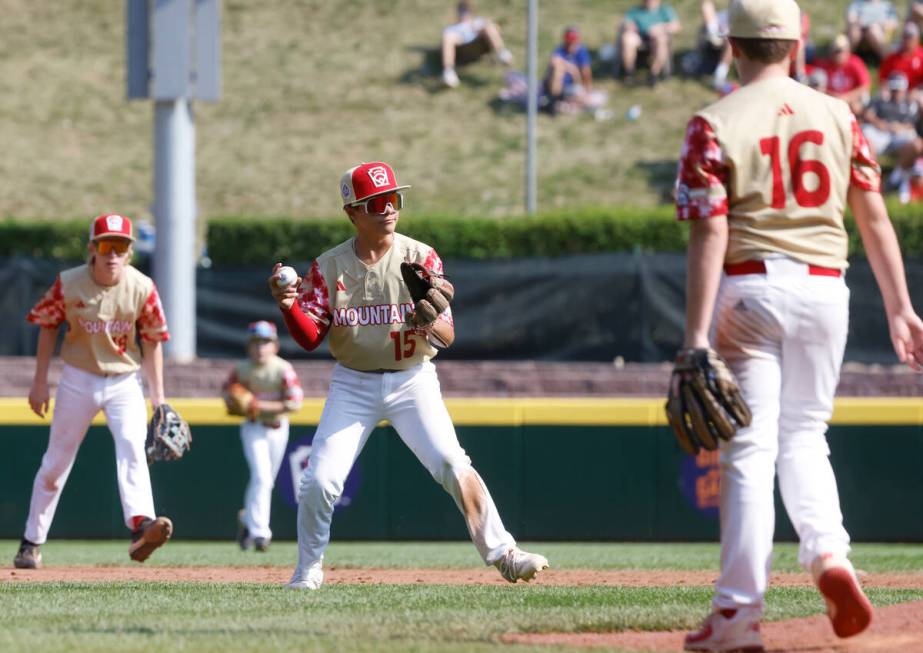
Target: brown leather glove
704	404
431	294
238	399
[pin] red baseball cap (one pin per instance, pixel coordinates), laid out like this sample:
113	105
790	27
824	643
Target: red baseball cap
571	34
111	225
367	180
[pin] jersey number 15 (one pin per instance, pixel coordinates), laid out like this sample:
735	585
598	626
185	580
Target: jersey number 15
798	168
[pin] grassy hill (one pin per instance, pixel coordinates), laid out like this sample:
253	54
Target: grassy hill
314	86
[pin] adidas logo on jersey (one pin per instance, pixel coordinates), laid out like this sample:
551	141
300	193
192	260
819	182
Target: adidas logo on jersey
786	110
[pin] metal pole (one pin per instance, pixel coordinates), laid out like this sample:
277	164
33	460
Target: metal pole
174	212
532	107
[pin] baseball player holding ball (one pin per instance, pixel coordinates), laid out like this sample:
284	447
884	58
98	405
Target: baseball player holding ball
383	333
764	178
106	304
264	388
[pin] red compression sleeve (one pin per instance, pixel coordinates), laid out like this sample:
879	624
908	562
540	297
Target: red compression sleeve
303	329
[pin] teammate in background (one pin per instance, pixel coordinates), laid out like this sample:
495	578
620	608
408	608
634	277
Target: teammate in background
274	391
106	304
765	176
355	294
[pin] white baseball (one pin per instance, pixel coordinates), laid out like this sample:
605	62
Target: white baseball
286	276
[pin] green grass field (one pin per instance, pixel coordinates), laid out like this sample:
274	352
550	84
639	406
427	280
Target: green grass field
131	616
311	88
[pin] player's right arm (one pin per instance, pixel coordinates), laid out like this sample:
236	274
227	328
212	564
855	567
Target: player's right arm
884	255
305	306
49	313
882	249
39	394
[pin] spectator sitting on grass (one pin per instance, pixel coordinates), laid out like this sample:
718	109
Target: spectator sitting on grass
468	39
568	83
712	55
915	13
649	25
847	76
870	24
906	59
890	120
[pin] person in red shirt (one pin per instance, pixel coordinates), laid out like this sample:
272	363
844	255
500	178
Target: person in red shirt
847	76
907	59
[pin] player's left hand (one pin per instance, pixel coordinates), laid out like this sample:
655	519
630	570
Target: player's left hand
907	337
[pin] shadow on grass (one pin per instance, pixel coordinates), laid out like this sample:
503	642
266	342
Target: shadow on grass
660	176
428	75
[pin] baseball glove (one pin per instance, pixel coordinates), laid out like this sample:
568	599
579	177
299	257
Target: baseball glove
168	435
704	403
238	399
431	294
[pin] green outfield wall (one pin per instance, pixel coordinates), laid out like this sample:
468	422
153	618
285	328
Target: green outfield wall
559	469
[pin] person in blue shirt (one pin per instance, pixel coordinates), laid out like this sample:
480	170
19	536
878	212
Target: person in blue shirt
569	77
650	26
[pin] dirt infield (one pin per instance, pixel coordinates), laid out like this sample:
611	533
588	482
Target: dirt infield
896	629
366	575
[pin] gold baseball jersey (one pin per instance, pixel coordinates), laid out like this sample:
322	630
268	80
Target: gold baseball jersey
363	307
776	158
103	322
274	380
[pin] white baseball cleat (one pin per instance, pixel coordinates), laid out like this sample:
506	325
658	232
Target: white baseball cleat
848	608
312	580
517	564
727	631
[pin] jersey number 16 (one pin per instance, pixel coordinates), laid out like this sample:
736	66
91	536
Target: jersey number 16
798	168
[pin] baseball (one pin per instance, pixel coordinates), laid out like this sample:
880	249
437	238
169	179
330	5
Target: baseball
287	276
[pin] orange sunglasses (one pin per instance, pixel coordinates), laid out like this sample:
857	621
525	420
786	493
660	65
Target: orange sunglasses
378	204
118	245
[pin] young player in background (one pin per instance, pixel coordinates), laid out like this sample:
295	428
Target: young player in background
106	304
265	389
355	294
765	177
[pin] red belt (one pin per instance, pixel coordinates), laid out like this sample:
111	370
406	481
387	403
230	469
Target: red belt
759	267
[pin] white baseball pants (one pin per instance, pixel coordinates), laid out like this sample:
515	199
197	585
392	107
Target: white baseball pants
783	334
264	449
412	401
79	397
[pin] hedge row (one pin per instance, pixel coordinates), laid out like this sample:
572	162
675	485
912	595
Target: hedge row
258	240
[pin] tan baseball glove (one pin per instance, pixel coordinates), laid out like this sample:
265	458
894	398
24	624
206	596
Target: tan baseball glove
238	399
704	404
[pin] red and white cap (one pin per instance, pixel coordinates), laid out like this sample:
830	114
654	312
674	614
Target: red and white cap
111	225
367	180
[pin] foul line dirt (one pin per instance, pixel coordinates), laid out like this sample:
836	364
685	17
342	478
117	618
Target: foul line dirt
365	575
895	629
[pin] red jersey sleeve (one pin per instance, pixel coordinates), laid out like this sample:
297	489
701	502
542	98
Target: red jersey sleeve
434	264
152	324
49	311
314	297
864	171
702	176
292	394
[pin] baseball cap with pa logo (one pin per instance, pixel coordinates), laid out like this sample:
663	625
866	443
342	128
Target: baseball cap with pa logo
764	19
367	180
111	225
